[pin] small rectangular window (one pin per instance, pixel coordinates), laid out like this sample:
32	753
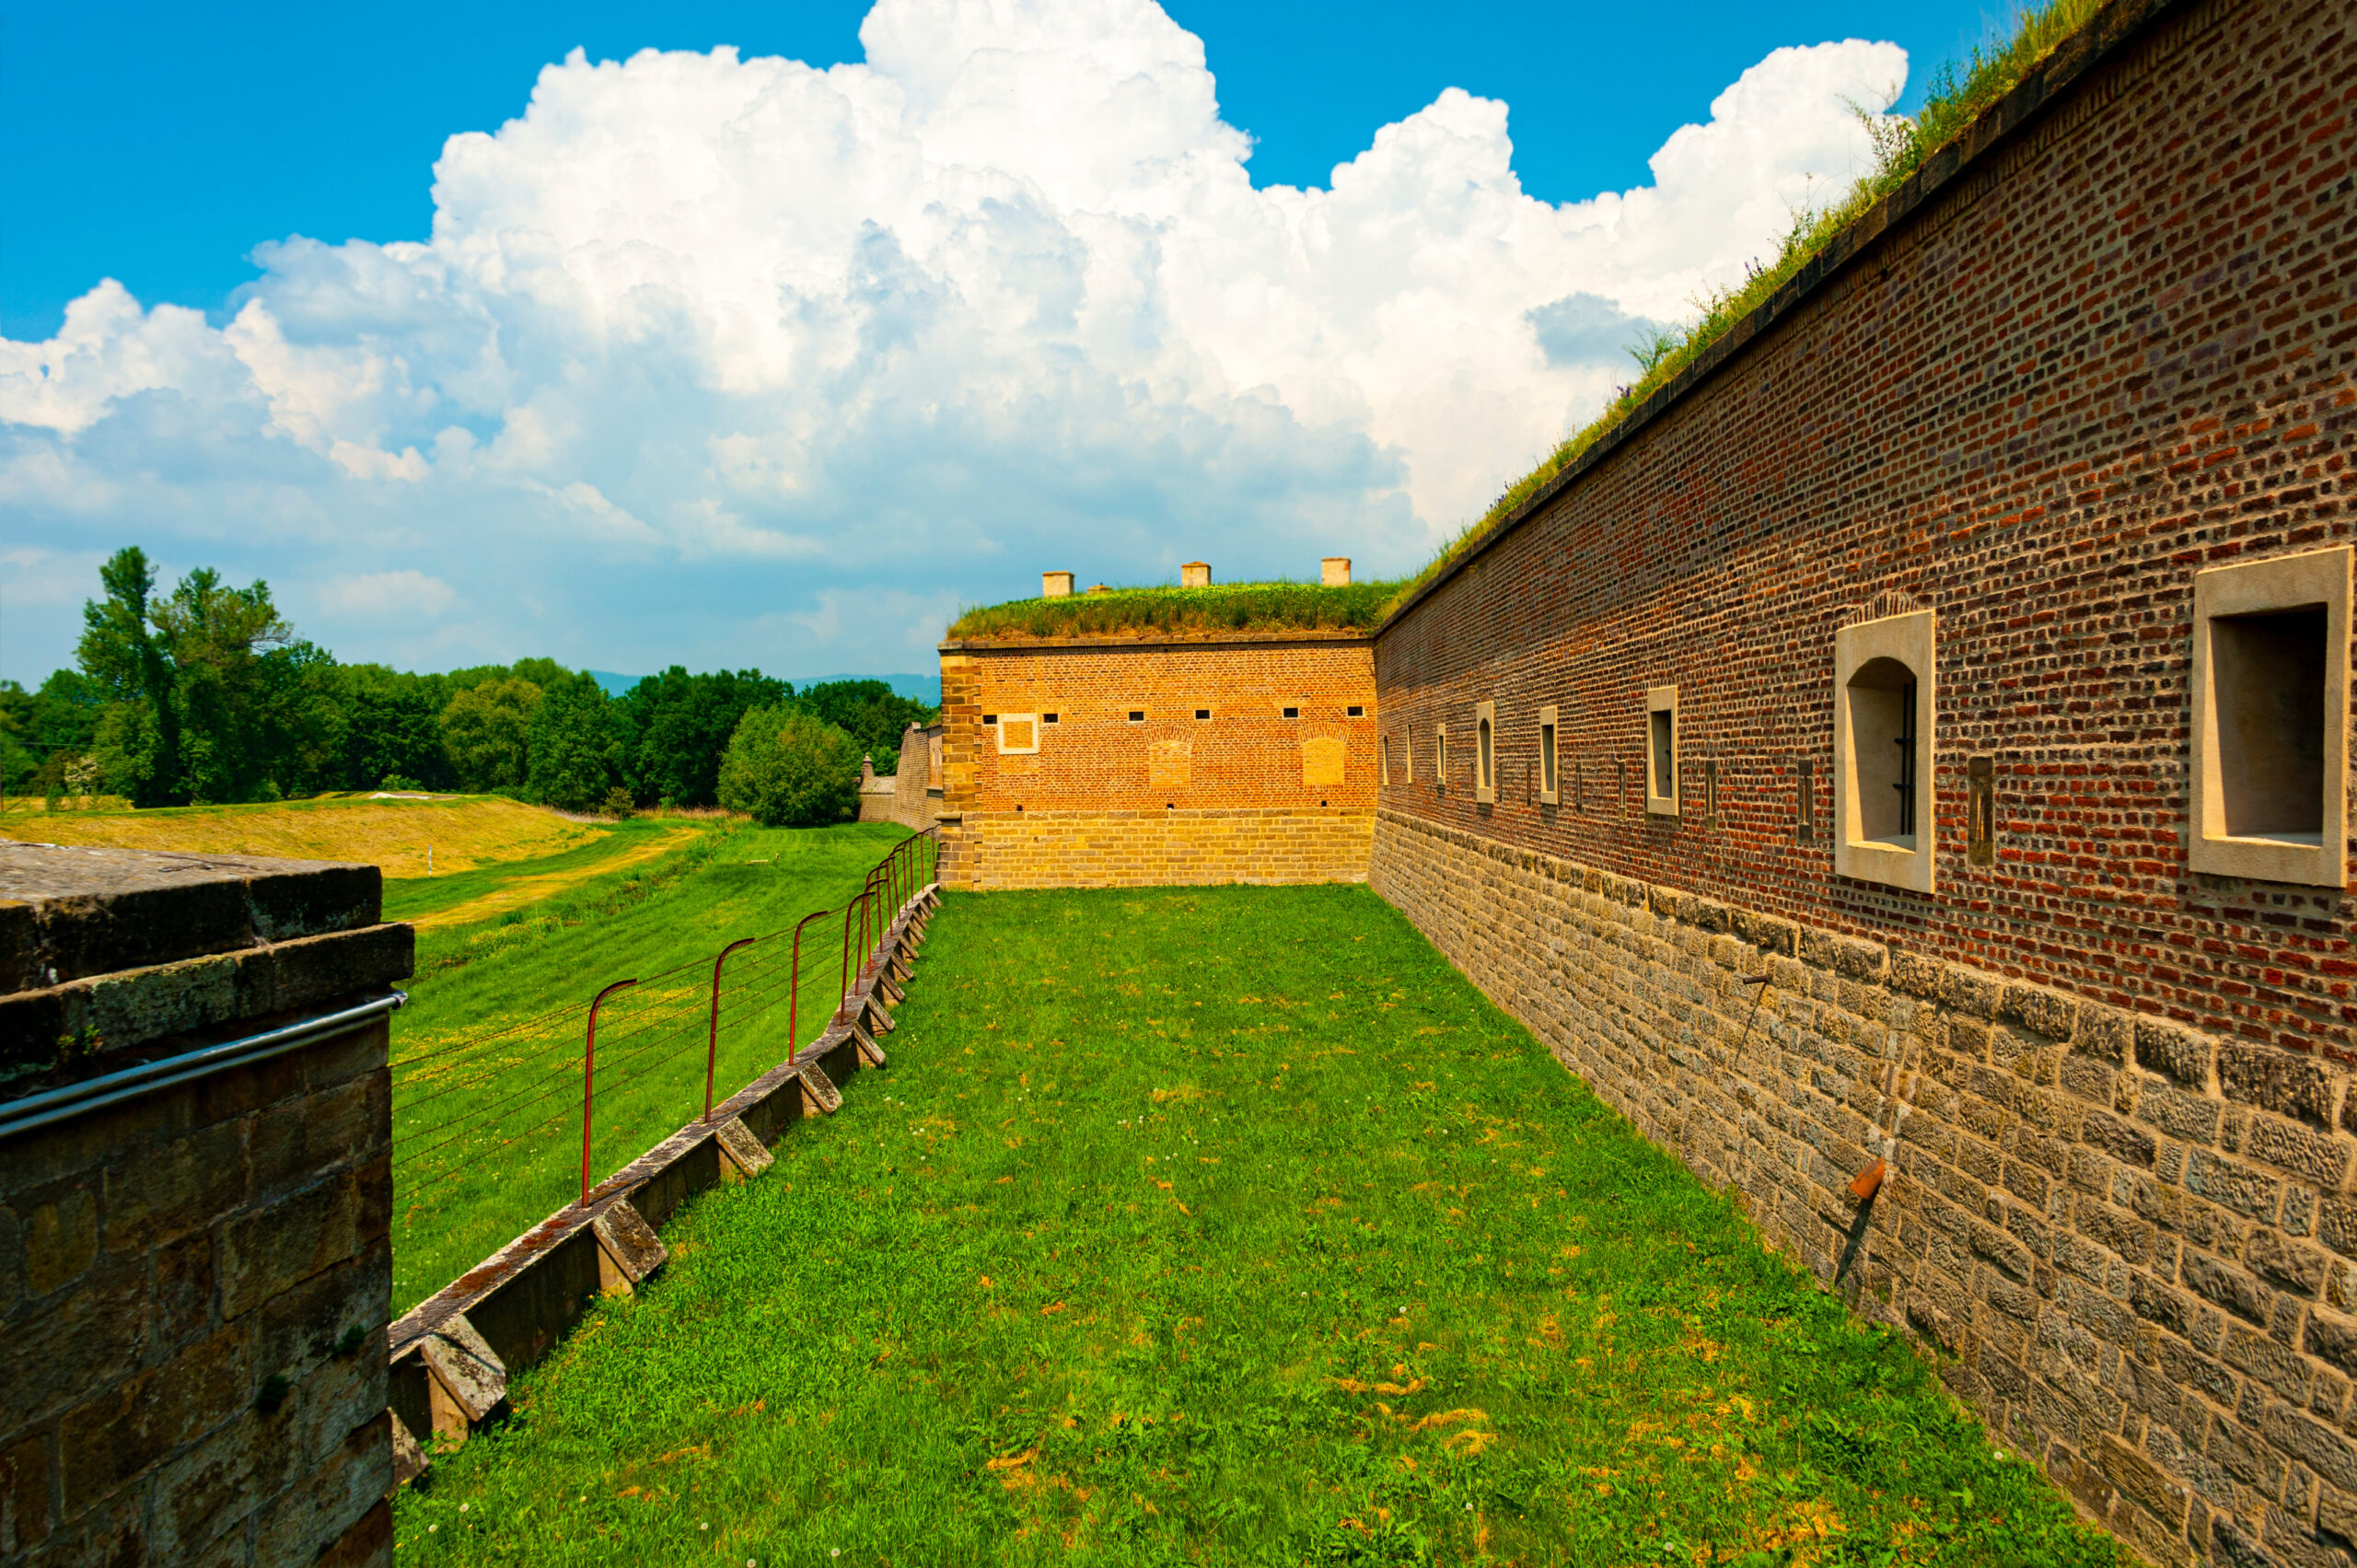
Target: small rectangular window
1202	712
1383	760
1808	801
1485	753
1137	715
1292	713
1550	791
1661	751
990	718
2270	713
1440	758
1047	718
1355	711
1885	702
1711	792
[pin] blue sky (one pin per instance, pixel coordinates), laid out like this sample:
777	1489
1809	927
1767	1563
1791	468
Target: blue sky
376	460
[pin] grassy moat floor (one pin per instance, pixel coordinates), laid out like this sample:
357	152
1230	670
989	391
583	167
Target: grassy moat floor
1225	1226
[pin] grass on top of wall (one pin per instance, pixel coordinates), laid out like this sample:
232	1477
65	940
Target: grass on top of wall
1225	1226
1959	92
1223	607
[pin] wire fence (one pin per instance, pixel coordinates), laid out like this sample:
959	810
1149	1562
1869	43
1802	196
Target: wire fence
497	1131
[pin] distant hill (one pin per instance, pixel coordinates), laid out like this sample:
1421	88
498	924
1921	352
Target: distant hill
924	689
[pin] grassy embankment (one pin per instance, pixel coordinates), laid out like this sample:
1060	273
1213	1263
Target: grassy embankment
487	1055
1225	1226
528	914
463	831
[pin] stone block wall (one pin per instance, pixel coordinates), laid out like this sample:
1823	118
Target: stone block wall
1148	848
195	1280
2138	1241
916	787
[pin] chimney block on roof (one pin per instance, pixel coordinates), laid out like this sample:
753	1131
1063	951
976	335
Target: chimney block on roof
1195	574
1055	584
1334	570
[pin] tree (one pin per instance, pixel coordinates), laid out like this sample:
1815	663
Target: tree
487	732
677	725
139	741
210	695
576	752
871	713
786	768
393	727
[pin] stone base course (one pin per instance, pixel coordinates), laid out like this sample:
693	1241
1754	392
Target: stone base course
1147	849
2131	1243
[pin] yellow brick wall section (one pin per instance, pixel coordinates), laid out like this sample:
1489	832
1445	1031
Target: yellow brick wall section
1147	849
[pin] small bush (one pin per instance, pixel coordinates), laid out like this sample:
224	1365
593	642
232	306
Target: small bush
617	803
786	768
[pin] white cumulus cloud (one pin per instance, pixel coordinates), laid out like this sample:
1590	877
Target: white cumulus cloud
704	353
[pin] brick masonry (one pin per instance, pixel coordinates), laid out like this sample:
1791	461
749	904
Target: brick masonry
1147	849
194	1283
2108	344
1246	795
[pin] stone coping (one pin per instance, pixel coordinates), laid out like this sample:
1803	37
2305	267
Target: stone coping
71	912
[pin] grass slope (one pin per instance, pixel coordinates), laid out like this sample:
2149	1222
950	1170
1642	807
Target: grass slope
488	892
487	1135
464	832
1228	1226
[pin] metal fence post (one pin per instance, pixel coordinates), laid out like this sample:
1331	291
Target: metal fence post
589	1078
711	1048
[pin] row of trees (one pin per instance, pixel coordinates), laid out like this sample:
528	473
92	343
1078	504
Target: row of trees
207	694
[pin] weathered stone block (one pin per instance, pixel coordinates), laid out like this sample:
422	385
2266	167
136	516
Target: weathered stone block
132	1427
2182	1054
269	1249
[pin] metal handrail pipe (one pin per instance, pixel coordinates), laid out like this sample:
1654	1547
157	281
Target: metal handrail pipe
94	1094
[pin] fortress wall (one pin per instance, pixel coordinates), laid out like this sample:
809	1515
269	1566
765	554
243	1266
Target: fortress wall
2105	1042
195	1276
1099	798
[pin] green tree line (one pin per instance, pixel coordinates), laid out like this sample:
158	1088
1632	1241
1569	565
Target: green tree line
206	695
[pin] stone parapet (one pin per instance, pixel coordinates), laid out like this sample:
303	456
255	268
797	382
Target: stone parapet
2134	1244
196	1273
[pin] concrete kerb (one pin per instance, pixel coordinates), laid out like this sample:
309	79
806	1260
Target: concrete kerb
511	1309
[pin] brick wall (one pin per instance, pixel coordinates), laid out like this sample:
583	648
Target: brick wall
2035	392
1152	849
1245	794
194	1282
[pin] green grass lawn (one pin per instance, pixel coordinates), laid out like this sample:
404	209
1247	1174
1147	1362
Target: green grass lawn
487	1131
1225	1226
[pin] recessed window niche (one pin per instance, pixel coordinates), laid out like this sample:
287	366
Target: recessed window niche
1661	751
1550	778
1018	732
2270	706
1485	753
1884	699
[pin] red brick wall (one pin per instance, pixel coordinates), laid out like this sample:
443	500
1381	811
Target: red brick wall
1246	754
2118	352
1096	770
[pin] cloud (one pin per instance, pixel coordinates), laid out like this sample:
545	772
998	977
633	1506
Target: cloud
705	352
406	593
